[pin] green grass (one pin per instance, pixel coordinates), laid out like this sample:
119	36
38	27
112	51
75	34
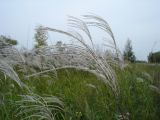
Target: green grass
153	70
88	98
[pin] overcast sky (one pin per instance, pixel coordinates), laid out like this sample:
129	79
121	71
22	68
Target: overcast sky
138	20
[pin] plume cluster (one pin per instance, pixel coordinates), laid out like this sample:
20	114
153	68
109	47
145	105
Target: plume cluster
9	57
84	56
80	55
34	106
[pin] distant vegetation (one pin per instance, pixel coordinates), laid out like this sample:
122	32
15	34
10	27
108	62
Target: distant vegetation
7	41
140	61
128	52
41	37
154	57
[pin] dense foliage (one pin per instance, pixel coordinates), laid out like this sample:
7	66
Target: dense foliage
128	52
7	41
154	57
85	98
41	37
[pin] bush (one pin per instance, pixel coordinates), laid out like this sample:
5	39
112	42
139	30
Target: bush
154	57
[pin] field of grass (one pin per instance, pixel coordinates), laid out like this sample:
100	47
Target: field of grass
85	97
75	81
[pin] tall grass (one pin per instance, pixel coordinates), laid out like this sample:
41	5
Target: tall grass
35	106
73	81
86	54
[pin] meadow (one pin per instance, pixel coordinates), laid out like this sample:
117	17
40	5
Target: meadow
74	82
85	98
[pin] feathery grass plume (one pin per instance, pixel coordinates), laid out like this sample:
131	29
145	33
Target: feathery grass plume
9	57
73	56
34	106
39	62
10	54
83	55
8	70
99	22
155	89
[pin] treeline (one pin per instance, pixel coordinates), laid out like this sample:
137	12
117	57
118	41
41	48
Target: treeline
41	37
128	54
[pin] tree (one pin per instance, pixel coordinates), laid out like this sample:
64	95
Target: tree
41	37
7	41
154	57
60	46
128	52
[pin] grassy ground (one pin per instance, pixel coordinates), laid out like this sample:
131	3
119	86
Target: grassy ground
87	98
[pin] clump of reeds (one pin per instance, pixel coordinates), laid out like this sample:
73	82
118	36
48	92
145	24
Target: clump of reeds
34	106
80	55
9	57
84	56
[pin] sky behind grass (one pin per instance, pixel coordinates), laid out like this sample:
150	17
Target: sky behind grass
138	20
